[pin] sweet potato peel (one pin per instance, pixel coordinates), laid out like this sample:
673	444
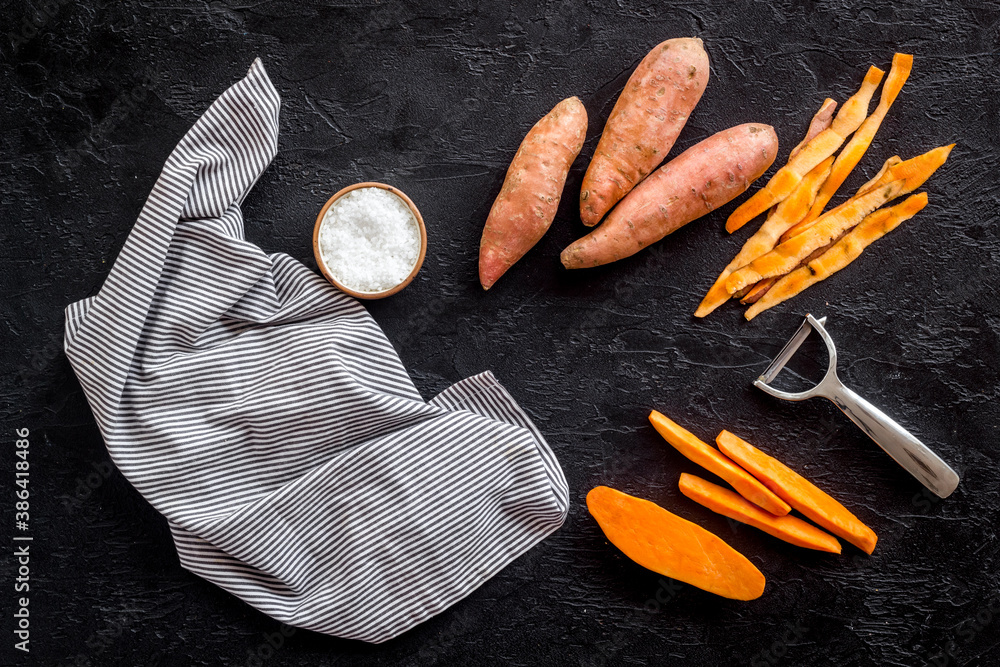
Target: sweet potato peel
840	254
855	149
820	121
905	177
710	459
799	492
787	214
665	543
877	180
788	528
823	145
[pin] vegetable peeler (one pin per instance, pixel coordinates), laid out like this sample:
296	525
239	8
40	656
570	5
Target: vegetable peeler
897	442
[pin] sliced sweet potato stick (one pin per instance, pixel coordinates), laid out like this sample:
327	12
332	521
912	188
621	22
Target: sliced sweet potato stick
823	145
840	254
710	459
862	139
674	547
788	528
905	178
879	179
800	493
787	214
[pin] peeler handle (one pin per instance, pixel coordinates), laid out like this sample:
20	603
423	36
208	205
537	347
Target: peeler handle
897	442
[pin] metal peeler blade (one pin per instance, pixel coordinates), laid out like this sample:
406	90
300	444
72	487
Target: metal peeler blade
787	352
897	442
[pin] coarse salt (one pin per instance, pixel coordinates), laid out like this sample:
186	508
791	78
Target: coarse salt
369	240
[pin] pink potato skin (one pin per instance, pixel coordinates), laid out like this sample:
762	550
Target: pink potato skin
529	198
644	123
701	179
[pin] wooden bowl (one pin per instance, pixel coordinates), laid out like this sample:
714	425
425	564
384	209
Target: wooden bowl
319	255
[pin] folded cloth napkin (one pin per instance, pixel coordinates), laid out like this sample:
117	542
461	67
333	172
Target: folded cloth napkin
267	417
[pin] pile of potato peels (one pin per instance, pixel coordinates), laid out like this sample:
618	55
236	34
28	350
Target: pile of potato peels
799	245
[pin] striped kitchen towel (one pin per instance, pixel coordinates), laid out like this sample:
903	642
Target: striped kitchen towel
268	418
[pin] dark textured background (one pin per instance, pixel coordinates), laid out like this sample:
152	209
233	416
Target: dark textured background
435	99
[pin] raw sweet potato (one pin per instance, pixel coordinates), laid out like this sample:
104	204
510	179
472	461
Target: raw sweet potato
788	528
839	254
902	178
644	124
800	493
712	460
527	203
822	146
674	547
702	178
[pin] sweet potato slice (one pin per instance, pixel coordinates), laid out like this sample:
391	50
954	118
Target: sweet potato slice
905	178
710	459
674	547
823	145
788	528
862	139
800	493
840	254
786	214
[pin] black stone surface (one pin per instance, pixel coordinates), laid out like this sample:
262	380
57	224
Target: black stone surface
434	98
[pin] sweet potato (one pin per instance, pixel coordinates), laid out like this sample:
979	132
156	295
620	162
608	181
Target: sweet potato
702	178
644	123
840	254
787	214
822	146
665	543
788	528
862	139
902	179
710	459
527	203
800	493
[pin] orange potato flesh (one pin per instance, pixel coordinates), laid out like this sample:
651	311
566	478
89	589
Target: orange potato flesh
665	543
787	214
840	254
823	145
800	493
788	528
905	177
710	459
702	178
862	139
643	126
529	198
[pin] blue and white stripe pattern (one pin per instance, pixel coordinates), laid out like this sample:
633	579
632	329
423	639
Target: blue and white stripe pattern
267	417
